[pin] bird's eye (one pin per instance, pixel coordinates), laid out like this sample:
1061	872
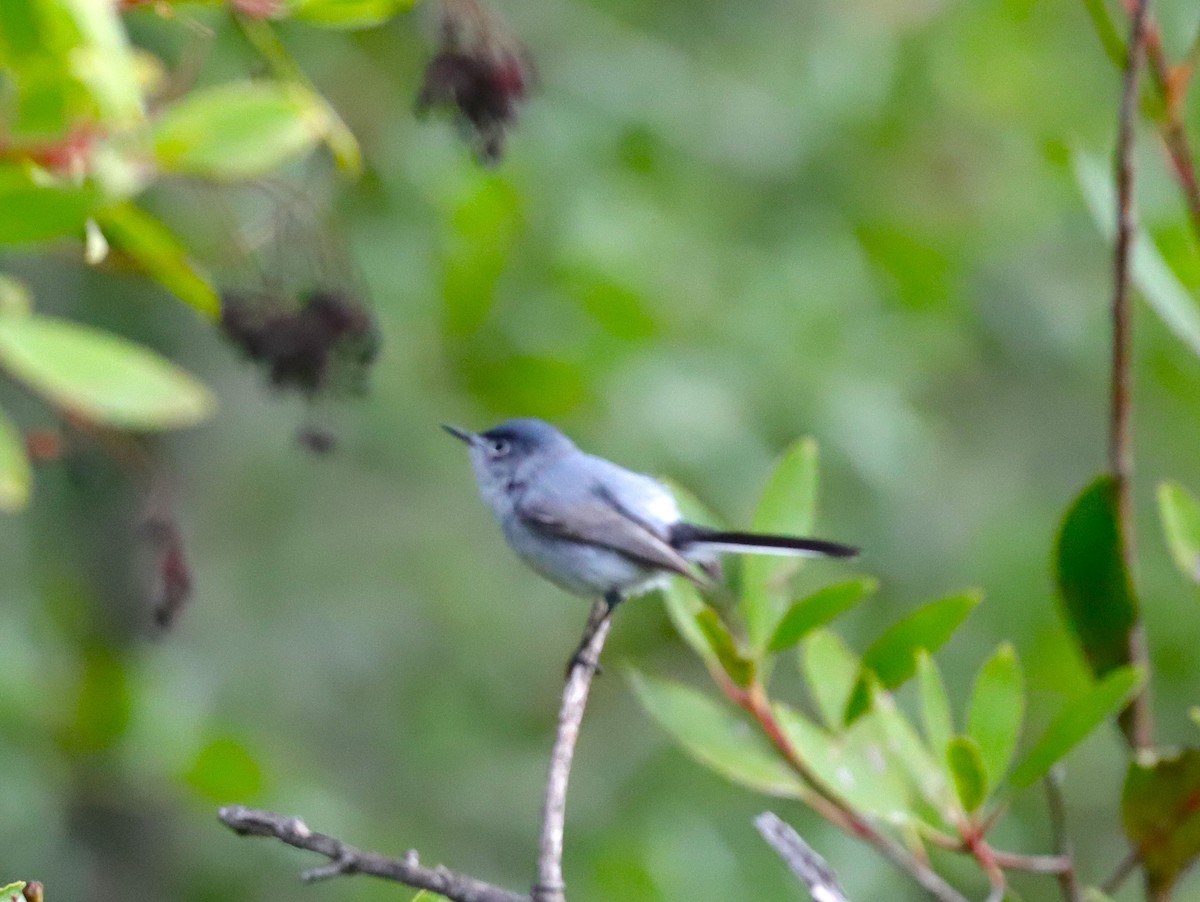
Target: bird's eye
500	447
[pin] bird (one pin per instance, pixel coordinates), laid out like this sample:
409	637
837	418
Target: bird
596	529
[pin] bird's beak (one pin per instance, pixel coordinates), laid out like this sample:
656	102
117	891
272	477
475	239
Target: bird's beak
461	434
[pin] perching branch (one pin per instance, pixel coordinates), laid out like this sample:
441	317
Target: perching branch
1137	720
345	859
550	886
807	865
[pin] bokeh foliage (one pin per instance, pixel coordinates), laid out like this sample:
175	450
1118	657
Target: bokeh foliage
718	227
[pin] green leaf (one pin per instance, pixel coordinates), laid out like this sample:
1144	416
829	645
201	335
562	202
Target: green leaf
788	506
12	891
1160	807
684	604
716	737
855	765
38	206
101	60
160	254
997	708
348	13
935	705
102	703
830	669
1160	286
99	376
820	608
1075	722
223	770
1093	584
739	668
15	476
1180	513
484	219
67	63
239	130
904	745
893	656
15	299
966	765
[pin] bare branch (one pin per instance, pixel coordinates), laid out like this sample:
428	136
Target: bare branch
1068	882
550	886
807	865
1171	84
826	803
1136	721
1127	866
345	859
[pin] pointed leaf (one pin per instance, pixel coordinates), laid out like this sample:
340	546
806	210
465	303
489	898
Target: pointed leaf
67	62
820	608
925	772
855	765
99	376
935	705
1093	584
788	506
716	737
15	476
684	604
1180	513
736	666
40	206
1160	807
997	707
160	254
893	656
239	130
966	765
14	297
831	670
1075	722
1160	286
347	13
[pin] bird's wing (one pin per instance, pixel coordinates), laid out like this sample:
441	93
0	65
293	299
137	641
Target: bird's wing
595	518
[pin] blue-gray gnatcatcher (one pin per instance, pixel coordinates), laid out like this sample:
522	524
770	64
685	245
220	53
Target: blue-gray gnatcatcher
594	528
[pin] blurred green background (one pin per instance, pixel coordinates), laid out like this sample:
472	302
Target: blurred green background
718	227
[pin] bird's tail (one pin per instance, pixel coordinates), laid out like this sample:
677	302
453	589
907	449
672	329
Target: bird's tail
688	537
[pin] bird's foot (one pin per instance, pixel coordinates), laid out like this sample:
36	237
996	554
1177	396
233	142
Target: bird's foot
582	659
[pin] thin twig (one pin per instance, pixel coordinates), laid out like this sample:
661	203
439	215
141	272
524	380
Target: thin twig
809	867
1137	720
978	847
1068	881
1171	86
345	859
826	803
1121	874
550	886
1032	864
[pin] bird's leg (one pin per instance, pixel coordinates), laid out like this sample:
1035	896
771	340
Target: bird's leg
600	613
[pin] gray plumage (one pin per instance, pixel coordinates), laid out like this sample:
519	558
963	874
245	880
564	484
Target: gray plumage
592	527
